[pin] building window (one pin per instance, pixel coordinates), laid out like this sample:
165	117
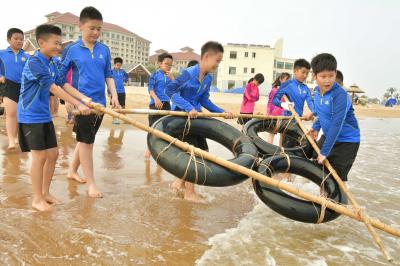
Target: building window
244	83
232	70
233	55
279	65
231	84
254	55
112	35
253	70
288	65
246	54
123	38
274	63
245	70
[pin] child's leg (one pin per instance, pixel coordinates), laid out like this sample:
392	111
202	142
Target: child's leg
73	167
48	172
190	193
11	121
178	185
38	162
86	159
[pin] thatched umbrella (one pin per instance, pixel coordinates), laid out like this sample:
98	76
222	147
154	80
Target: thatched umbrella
353	89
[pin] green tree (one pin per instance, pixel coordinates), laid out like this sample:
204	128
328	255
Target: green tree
152	68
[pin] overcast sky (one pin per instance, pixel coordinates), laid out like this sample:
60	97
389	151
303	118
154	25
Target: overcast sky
363	35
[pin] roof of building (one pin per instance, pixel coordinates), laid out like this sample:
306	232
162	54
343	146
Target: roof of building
69	18
182	56
132	67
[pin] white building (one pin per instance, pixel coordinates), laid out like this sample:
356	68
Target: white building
242	61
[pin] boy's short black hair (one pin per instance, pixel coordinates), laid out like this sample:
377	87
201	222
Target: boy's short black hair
118	60
339	77
212	47
43	31
12	31
90	12
299	63
250	80
323	62
162	57
259	78
192	63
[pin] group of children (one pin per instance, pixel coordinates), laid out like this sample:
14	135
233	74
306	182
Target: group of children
29	82
330	107
80	76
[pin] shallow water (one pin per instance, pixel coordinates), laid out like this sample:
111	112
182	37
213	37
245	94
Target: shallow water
141	221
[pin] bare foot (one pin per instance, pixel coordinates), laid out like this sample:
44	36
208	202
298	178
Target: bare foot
93	192
193	197
51	199
11	146
179	188
16	141
76	177
147	154
41	205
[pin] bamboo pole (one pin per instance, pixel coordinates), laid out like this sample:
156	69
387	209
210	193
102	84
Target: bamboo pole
363	217
243	170
179	113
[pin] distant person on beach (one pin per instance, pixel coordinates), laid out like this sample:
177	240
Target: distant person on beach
297	92
157	84
120	78
272	109
12	61
91	70
190	92
251	95
40	76
335	116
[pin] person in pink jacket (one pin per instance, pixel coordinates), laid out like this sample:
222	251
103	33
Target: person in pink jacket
250	97
271	108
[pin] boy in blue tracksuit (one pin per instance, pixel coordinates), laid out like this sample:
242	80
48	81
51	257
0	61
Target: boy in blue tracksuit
335	116
90	61
157	84
120	78
12	61
190	92
40	76
296	90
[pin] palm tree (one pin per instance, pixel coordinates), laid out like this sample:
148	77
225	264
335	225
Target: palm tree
391	90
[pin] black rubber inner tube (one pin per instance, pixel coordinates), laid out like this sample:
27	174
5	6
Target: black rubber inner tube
294	141
175	161
288	205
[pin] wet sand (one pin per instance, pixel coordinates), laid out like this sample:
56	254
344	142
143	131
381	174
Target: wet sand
140	221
